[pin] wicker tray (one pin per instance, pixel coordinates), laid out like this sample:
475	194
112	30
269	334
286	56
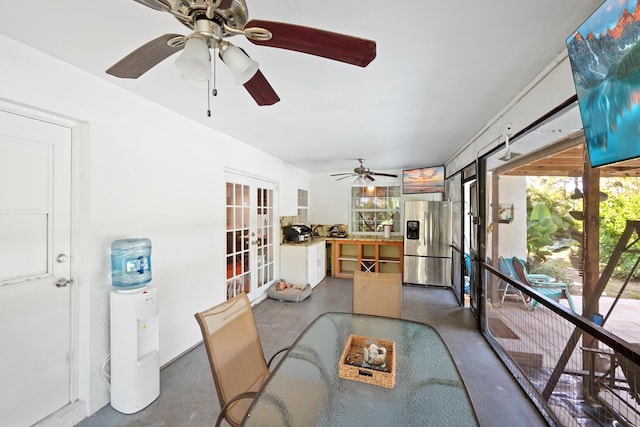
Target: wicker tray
352	366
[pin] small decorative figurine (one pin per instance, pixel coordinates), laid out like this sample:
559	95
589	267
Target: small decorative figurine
374	355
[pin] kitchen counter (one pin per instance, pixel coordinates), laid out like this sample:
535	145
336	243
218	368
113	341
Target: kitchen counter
312	241
368	239
317	239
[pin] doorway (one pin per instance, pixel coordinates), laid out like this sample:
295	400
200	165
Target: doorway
250	235
471	241
35	272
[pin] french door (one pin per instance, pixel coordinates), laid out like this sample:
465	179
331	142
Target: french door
251	226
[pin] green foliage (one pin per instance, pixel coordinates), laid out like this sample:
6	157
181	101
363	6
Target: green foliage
548	216
623	204
540	229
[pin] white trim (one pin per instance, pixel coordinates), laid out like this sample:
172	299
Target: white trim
249	175
68	416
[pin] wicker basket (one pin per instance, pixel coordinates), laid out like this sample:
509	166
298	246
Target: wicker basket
352	367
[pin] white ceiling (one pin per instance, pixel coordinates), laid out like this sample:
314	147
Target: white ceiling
442	70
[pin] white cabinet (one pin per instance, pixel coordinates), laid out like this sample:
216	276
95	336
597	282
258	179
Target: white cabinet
303	263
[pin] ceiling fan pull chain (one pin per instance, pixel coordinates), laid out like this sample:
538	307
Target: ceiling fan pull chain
215	72
214	91
208	99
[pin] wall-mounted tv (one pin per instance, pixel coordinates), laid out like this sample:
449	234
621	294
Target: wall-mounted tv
605	60
423	180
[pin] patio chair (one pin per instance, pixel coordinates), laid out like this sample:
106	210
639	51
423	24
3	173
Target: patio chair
507	269
378	294
553	290
235	356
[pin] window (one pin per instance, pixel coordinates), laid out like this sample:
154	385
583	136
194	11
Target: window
373	207
303	206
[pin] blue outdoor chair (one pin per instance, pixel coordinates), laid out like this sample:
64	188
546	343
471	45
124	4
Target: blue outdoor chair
552	290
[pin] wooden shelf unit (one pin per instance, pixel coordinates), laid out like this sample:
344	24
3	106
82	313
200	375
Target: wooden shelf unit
381	256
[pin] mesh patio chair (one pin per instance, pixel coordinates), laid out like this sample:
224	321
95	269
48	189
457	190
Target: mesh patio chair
553	290
507	269
378	294
235	356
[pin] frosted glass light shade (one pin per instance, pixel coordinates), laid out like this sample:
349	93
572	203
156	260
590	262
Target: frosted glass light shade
360	180
242	67
194	61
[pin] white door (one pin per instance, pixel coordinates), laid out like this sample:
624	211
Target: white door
250	236
35	244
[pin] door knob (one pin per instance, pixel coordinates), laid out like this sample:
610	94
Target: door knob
62	282
61	258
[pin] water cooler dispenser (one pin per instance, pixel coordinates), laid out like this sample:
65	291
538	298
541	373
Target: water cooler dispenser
135	369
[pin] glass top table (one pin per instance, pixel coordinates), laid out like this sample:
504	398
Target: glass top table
305	389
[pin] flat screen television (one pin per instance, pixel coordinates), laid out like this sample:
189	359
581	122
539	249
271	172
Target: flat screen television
423	180
605	61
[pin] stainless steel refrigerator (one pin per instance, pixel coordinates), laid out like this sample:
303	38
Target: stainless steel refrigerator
427	243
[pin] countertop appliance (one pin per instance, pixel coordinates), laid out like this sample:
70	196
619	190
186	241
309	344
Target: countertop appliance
336	231
296	233
427	243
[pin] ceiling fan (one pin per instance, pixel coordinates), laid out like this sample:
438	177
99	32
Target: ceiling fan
212	21
362	173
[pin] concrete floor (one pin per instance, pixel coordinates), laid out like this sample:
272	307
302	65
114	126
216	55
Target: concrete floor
187	396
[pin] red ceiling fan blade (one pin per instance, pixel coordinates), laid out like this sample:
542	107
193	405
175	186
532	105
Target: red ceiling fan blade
339	47
225	4
260	90
144	58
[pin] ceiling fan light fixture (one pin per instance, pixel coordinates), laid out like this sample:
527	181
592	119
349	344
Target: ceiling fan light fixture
360	180
195	61
241	66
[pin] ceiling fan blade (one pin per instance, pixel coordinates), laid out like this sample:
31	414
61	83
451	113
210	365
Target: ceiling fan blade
348	176
144	58
260	90
339	47
370	178
225	4
162	5
344	173
384	174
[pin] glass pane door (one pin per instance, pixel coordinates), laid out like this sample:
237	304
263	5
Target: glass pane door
250	232
265	237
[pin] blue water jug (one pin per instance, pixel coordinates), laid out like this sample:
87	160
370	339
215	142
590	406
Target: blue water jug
130	263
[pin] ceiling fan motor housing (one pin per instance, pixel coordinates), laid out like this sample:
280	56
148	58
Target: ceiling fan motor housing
235	16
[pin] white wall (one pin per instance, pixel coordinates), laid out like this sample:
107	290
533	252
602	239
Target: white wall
141	171
513	190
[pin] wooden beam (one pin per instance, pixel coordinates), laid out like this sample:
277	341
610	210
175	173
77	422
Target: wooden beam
591	244
570	141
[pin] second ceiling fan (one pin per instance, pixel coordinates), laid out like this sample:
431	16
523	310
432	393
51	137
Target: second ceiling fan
362	173
212	21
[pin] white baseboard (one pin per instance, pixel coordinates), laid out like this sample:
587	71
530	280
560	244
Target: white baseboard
68	416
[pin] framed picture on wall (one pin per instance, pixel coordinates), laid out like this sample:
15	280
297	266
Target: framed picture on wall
423	180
